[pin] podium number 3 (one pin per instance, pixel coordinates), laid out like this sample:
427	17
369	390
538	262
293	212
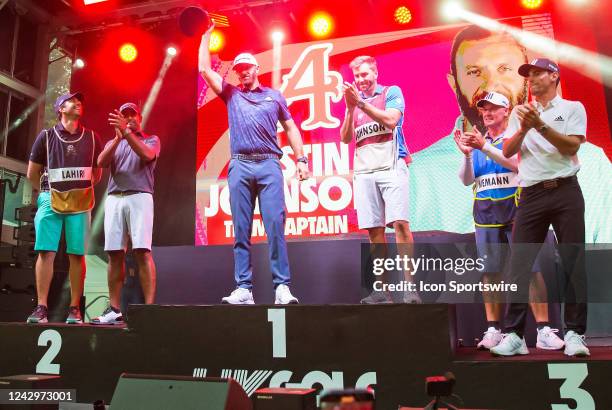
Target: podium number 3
279	332
53	339
574	374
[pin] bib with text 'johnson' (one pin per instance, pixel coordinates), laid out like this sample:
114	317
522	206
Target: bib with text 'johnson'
69	171
376	146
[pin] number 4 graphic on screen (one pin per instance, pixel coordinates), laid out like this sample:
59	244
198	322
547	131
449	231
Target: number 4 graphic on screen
574	374
311	79
279	332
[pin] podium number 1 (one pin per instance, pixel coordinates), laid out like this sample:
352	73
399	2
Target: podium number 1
279	332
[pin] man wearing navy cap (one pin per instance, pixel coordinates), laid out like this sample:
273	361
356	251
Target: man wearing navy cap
547	134
63	168
254	171
128	211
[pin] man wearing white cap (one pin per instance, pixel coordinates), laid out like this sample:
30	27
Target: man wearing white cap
128	211
254	171
495	188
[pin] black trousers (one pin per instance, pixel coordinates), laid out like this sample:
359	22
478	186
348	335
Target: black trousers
560	203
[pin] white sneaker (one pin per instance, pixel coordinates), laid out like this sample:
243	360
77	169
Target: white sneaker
548	339
510	345
377	297
284	296
108	317
491	338
575	345
412	297
240	296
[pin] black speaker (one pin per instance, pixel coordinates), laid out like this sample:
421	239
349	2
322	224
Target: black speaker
285	399
153	392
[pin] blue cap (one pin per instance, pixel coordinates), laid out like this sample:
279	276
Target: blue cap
129	106
63	98
543	63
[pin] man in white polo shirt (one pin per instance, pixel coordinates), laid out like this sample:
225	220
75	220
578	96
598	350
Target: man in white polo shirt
547	135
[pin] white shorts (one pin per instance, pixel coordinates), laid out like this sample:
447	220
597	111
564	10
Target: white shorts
381	197
128	216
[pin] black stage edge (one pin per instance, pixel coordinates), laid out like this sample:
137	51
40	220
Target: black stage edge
324	346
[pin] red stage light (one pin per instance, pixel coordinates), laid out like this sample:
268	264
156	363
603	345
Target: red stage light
402	15
217	41
320	24
531	4
128	52
88	2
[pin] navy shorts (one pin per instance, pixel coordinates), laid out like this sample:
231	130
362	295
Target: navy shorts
493	245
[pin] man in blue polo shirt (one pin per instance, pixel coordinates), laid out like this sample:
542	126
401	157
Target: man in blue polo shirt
254	171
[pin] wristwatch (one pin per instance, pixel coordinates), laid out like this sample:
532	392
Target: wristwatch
303	160
361	104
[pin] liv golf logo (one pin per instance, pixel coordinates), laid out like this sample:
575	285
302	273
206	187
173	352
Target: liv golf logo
255	379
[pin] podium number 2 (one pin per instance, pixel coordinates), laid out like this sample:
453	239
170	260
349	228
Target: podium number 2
574	374
53	339
279	332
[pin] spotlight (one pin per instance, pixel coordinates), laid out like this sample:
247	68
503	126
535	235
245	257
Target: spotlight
277	36
217	42
320	24
79	63
451	9
171	51
531	4
88	2
128	53
402	15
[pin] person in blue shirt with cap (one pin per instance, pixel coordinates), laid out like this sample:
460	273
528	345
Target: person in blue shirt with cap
64	169
254	171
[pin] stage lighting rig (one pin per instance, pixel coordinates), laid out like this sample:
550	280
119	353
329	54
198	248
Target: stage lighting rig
320	25
128	52
531	4
402	15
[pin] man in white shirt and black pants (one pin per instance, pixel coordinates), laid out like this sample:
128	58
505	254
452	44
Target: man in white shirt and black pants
547	135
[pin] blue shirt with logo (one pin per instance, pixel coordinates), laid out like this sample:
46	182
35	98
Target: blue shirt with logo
253	115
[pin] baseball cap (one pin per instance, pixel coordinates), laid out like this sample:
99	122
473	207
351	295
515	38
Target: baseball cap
543	63
495	99
244	58
65	97
129	106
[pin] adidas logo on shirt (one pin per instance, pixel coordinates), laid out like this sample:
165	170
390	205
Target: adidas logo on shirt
559	118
